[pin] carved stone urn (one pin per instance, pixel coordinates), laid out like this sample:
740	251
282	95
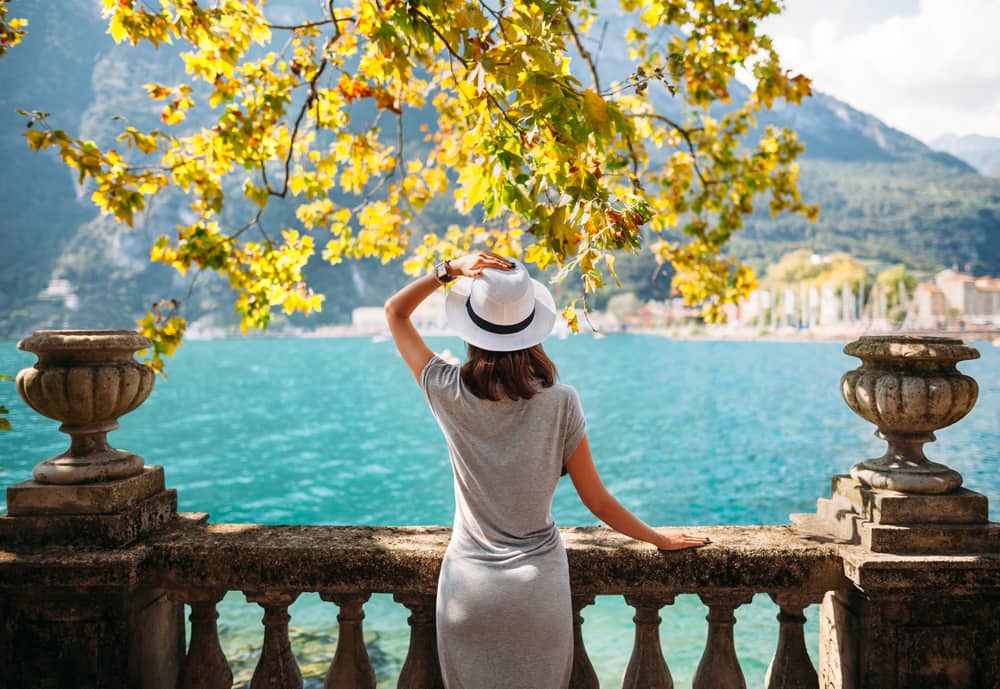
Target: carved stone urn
909	387
86	379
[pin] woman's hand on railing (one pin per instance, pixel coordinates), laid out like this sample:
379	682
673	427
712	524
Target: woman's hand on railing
677	540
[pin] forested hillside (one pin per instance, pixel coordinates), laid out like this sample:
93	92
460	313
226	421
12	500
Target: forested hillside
885	196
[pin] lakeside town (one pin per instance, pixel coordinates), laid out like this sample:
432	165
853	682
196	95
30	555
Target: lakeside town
950	302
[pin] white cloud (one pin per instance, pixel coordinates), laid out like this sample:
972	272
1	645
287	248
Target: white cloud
928	69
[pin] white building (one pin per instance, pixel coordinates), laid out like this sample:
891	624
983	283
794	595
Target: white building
955	295
429	317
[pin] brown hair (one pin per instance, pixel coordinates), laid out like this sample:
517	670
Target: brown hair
515	375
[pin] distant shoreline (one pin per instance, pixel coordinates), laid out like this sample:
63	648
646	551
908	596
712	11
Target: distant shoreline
703	334
707	334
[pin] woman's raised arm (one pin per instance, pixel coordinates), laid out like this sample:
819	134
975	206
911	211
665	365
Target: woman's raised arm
605	507
398	309
400	306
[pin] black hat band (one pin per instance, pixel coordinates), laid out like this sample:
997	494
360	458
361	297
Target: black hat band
496	328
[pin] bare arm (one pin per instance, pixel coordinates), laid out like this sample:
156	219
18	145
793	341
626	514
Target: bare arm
400	306
398	309
605	507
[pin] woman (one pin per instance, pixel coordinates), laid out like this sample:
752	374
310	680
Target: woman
503	600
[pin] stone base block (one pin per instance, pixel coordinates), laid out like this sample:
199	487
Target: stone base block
109	497
886	521
879	506
940	539
94	530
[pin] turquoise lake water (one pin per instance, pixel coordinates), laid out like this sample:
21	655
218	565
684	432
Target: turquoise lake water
335	431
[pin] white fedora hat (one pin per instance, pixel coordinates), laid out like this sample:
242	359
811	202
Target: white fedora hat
502	310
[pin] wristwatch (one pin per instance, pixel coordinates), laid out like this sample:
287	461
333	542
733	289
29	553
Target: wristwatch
441	273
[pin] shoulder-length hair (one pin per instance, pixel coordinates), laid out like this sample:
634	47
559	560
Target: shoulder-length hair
515	375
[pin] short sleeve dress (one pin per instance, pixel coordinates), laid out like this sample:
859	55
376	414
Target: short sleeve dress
504	619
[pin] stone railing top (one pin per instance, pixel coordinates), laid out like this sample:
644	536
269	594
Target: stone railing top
192	554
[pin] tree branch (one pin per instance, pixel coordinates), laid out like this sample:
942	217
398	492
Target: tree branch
583	52
305	25
312	95
686	135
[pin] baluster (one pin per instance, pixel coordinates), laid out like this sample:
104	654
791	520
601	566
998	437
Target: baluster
276	668
350	668
647	668
205	666
791	667
582	675
421	670
719	668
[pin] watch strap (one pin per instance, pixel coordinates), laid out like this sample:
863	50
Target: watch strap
441	273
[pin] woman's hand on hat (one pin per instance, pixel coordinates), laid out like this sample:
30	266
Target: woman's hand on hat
472	265
677	540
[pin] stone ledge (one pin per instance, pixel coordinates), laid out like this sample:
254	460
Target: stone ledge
235	557
389	559
960	507
926	575
937	539
109	497
189	554
880	506
91	530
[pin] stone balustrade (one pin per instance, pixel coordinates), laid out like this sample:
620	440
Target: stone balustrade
196	563
97	566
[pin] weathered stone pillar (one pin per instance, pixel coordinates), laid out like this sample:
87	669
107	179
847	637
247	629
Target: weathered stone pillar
351	668
791	667
919	549
719	667
422	669
647	668
96	618
277	667
583	675
205	666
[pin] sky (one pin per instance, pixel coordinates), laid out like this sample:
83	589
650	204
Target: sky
927	67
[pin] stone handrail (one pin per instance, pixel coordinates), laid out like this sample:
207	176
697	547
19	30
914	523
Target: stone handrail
388	559
197	563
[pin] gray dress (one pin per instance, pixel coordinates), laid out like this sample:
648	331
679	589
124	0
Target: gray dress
504	619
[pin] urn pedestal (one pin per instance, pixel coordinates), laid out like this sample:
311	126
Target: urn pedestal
91	494
902	502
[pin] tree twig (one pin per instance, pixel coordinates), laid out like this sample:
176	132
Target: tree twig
586	313
310	97
583	52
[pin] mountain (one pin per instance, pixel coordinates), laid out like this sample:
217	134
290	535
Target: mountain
981	152
885	196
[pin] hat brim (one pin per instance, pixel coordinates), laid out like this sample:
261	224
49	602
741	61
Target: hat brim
539	328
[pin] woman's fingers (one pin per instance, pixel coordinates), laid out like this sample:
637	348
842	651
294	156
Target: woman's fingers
679	541
488	259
